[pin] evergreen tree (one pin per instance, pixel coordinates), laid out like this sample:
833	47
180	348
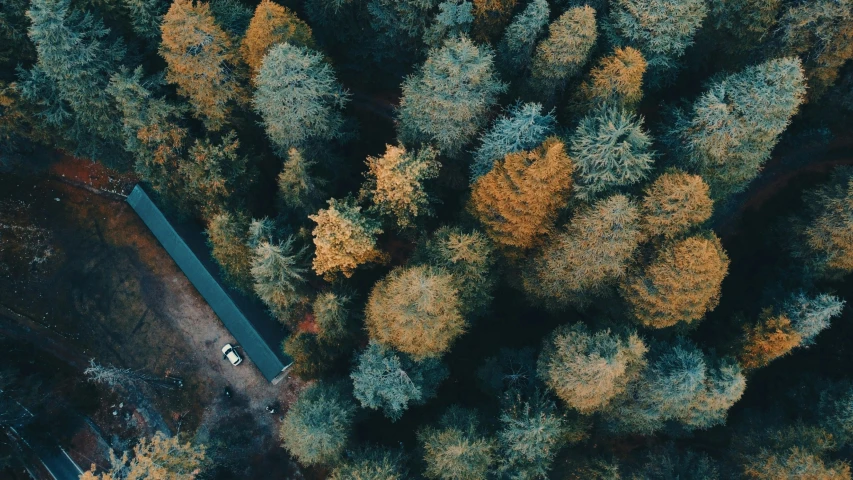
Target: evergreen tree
611	150
515	52
371	463
416	310
395	183
317	425
588	369
827	233
670	464
200	60
511	370
69	81
742	24
310	358
270	25
159	457
212	174
674	203
617	80
810	316
734	126
453	20
279	274
344	238
681	284
456	449
518	200
561	55
446	101
399	25
835	412
146	16
593	252
490	17
470	260
383	379
795	452
660	29
770	338
226	237
298	187
232	16
332	312
298	97
14	45
523	127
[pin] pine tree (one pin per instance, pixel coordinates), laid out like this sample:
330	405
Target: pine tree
416	310
14	45
226	237
446	101
523	127
669	463
270	25
146	16
232	16
69	81
490	16
298	187
399	25
452	20
810	316
741	24
332	312
611	150
344	238
821	33
212	174
200	60
617	80
470	260
159	457
593	252
279	274
660	29
515	52
561	55
734	126
588	369
310	359
770	338
456	449
317	425
383	379
395	183
298	97
518	200
371	463
674	203
827	233
681	284
835	412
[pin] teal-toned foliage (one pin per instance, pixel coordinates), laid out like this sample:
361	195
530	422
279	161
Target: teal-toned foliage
317	426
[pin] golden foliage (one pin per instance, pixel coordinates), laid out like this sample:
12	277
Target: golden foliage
681	284
415	310
200	58
160	458
771	338
675	202
395	182
830	234
518	200
617	79
270	25
344	239
490	17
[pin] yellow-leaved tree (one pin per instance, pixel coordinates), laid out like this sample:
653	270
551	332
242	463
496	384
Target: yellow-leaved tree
674	203
160	458
270	25
616	80
344	238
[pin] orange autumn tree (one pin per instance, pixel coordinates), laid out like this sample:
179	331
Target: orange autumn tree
772	337
680	285
518	200
200	59
674	203
490	17
270	25
616	80
344	238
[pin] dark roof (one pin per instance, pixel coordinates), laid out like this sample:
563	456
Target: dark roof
257	333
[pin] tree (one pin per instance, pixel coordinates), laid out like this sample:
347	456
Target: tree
212	174
446	101
770	338
518	200
490	16
810	316
398	26
270	25
793	452
145	17
416	310
588	369
316	427
311	358
279	274
298	97
298	187
160	457
561	55
737	122
742	23
68	82
515	52
226	237
232	16
821	33
826	234
453	20
660	29
681	284
200	60
456	449
344	238
332	316
511	370
611	150
835	412
14	45
674	203
371	463
469	258
395	183
617	80
523	127
383	379
592	253
668	463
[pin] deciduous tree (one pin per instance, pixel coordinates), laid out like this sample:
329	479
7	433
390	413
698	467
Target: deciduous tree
490	16
674	203
270	25
212	174
562	54
771	337
371	463
617	80
160	457
317	426
797	451
827	234
344	238
456	449
226	237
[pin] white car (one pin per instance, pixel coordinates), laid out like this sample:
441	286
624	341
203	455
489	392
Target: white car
231	354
